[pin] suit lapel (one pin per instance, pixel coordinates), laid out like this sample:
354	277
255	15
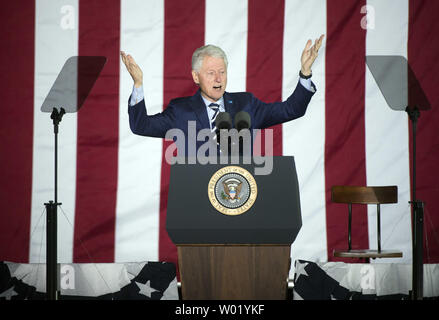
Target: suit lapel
228	105
199	109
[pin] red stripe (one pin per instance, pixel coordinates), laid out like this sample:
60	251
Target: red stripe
98	127
264	56
17	23
184	32
345	126
423	56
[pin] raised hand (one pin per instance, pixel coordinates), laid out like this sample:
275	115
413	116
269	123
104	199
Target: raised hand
132	67
309	55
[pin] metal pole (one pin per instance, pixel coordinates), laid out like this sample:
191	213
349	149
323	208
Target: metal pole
379	227
418	266
417	219
51	251
52	223
349	227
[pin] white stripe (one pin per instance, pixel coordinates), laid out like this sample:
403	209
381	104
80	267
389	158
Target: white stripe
387	144
56	39
226	27
304	138
140	158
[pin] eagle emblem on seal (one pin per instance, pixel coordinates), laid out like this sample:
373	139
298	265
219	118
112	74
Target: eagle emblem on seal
232	189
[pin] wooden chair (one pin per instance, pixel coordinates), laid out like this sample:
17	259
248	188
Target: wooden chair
365	195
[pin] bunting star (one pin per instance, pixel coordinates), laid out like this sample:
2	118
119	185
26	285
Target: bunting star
301	269
145	289
8	293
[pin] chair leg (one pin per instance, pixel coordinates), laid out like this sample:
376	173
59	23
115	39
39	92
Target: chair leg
349	226
379	227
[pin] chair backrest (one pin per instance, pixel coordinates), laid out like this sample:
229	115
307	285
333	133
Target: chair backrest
364	195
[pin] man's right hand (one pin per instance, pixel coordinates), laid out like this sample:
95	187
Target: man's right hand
134	70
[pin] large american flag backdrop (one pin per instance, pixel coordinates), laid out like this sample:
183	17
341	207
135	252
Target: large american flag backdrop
113	185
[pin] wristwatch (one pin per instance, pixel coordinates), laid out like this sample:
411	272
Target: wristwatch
303	76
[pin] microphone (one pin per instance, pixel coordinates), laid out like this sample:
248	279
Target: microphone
223	121
242	120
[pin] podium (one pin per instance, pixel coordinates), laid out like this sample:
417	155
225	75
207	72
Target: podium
234	229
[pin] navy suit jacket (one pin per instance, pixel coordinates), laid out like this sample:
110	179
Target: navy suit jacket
181	110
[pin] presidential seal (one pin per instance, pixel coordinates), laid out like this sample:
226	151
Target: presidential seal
232	190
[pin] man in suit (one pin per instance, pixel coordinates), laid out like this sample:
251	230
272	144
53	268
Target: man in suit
209	72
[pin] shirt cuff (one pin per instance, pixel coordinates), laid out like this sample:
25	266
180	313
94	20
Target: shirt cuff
307	84
137	95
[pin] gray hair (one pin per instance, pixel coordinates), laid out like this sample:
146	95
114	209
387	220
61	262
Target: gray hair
207	51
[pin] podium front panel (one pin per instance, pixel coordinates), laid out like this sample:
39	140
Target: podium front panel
274	217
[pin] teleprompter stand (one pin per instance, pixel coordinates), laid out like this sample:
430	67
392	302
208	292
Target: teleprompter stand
67	95
402	92
51	219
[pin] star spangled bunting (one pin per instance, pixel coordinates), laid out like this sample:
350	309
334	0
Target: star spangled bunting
312	283
148	281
